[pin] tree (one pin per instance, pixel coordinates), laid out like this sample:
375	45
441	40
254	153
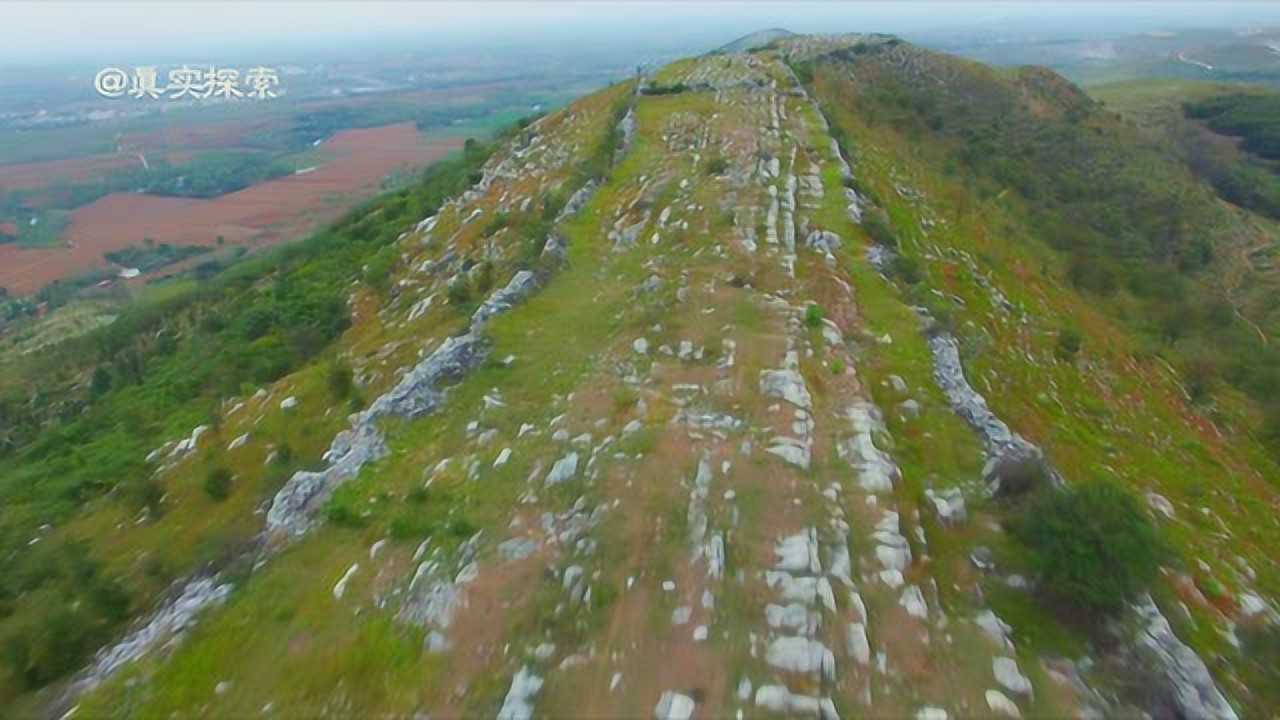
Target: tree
1093	545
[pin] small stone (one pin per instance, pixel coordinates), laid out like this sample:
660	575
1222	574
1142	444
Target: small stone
341	588
913	601
1160	504
564	469
503	457
909	409
1010	678
948	505
571	575
700	633
995	628
1251	605
857	646
289	403
982	558
674	706
544	651
641	346
1000	704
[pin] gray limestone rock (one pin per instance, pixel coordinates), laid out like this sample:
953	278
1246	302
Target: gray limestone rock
1188	678
1009	676
788	385
674	706
564	469
518	704
1000	704
948	505
801	655
857	645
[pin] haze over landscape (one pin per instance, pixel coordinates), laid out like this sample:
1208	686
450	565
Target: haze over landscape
640	359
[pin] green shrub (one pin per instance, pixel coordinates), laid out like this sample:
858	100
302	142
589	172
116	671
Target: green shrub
1069	341
716	166
499	221
341	380
410	525
217	483
462	528
876	223
813	316
377	272
675	89
483	277
459	292
1093	545
343	515
907	269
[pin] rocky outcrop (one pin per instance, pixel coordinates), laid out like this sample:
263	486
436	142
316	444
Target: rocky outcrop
1008	453
419	392
307	491
521	286
434	594
627	129
170	620
578	200
1188	679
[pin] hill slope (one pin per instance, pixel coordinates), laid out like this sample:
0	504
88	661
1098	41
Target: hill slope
703	402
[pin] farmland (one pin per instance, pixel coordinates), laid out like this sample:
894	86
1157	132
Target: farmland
354	163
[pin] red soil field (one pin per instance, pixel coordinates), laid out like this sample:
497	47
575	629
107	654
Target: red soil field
262	215
199	136
33	176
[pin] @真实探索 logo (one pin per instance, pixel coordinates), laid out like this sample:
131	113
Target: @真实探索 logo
144	83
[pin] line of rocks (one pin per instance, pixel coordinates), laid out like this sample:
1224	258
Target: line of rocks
169	621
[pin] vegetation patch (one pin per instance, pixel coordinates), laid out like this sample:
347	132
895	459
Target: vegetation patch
1094	546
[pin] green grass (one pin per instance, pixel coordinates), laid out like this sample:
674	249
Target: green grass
1123	419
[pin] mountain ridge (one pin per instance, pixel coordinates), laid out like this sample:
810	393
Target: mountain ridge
754	378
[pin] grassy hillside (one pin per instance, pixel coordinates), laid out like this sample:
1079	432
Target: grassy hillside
1016	187
1139	233
1196	122
80	423
707	458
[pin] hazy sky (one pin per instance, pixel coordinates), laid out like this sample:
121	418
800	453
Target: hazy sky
39	32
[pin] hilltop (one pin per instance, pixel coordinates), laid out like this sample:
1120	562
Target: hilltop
834	378
755	40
